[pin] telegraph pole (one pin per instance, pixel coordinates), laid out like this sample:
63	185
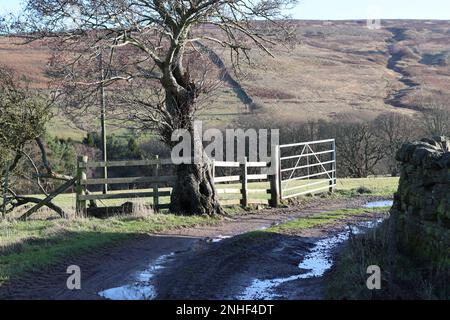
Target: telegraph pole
102	119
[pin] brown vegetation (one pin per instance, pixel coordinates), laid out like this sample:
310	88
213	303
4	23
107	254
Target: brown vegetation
335	67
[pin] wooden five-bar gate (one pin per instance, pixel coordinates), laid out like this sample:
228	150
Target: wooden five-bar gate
306	168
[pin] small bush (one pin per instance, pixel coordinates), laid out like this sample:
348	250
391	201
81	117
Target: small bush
363	190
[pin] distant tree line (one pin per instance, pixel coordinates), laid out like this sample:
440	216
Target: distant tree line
364	148
117	148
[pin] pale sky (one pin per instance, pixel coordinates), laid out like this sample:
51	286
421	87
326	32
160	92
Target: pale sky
344	9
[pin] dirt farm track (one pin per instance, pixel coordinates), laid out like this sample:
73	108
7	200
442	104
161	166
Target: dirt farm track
214	262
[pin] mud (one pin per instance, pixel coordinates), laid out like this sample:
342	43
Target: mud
212	262
266	266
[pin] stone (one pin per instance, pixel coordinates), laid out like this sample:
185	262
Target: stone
421	210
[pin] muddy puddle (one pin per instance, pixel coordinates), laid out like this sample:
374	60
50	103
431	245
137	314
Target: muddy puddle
310	264
219	238
142	287
313	265
379	204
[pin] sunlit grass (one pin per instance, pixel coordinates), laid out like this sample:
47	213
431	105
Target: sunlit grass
380	186
323	219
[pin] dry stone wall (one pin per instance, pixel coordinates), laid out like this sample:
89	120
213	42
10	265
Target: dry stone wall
421	212
424	190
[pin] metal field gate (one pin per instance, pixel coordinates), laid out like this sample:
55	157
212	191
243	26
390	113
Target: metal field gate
307	167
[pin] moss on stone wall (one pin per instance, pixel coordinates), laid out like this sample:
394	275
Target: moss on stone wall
421	211
412	247
424	187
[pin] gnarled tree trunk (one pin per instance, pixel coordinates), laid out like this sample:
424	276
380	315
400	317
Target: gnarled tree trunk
194	191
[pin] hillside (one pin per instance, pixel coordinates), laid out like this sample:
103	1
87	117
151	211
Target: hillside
334	68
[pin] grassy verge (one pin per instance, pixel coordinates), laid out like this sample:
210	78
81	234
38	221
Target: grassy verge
323	219
314	221
405	274
26	246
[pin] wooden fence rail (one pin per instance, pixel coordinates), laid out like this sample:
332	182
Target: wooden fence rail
246	195
233	188
315	175
154	182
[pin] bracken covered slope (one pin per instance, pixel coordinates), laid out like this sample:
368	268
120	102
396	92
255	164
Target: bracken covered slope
334	68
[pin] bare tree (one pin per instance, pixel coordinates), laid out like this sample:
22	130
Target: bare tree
393	130
24	161
151	45
23	116
359	148
436	115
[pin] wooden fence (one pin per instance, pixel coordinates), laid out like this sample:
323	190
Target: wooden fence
306	166
315	174
154	182
235	187
243	194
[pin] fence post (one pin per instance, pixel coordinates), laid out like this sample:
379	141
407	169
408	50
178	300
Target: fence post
307	163
155	186
333	167
81	207
244	190
275	177
5	190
